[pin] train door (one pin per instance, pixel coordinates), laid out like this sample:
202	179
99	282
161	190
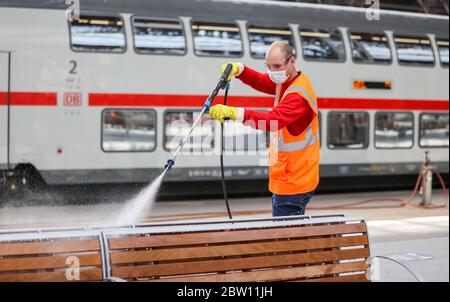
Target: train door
4	108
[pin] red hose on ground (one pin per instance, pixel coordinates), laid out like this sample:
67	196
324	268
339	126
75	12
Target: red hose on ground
401	202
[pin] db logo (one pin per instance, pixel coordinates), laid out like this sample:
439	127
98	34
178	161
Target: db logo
72	99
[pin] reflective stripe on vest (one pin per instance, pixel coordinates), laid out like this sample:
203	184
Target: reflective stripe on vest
305	92
277	94
280	145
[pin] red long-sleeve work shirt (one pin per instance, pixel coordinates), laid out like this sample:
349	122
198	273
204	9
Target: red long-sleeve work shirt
292	112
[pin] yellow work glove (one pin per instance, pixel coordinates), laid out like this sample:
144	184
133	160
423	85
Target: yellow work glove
234	71
222	112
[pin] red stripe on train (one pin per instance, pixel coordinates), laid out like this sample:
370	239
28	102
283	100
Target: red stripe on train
29	98
100	99
167	100
164	100
351	103
3	98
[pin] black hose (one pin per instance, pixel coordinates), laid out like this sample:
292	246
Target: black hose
222	147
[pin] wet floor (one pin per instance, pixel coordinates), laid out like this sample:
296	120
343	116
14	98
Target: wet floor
54	212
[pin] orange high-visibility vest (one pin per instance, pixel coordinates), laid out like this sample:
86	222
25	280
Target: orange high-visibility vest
294	159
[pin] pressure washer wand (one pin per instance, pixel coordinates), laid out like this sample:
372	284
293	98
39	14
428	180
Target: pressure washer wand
222	147
220	84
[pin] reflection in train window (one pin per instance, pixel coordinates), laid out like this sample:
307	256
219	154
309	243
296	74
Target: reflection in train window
370	48
394	130
102	34
412	50
177	125
158	36
433	130
322	45
238	137
349	130
261	38
217	39
128	130
443	51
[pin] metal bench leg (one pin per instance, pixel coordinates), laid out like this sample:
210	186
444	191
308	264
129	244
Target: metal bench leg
405	265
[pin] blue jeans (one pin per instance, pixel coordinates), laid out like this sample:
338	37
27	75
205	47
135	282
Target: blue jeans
287	205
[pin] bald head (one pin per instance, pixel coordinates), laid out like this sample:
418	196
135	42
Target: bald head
280	48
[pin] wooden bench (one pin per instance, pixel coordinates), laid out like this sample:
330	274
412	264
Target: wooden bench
302	248
51	256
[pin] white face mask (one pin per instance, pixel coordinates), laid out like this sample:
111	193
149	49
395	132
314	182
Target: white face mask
278	77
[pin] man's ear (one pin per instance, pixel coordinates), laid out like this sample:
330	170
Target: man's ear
293	63
293	60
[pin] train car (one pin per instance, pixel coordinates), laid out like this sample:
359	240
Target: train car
99	92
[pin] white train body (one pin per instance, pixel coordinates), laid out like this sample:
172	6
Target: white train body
45	125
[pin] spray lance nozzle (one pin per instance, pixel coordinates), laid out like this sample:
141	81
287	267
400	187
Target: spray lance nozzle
170	163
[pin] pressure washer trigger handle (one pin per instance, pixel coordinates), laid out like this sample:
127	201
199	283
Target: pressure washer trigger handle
225	75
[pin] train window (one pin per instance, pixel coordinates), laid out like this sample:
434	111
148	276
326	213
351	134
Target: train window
348	130
411	50
158	36
261	38
238	137
212	39
128	130
433	130
177	125
322	45
370	48
394	130
443	51
97	34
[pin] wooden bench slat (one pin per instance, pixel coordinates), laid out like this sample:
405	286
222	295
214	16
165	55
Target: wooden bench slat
43	247
236	249
236	264
234	236
85	275
350	278
273	275
47	262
